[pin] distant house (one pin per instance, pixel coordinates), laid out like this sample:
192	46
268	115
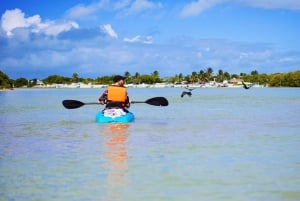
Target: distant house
235	81
39	83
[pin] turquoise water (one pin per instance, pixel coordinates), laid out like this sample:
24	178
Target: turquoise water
220	144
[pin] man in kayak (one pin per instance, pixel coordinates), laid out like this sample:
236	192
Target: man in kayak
116	98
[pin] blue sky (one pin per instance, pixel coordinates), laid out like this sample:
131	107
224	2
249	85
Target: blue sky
94	38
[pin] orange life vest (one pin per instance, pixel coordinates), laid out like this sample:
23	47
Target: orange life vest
116	94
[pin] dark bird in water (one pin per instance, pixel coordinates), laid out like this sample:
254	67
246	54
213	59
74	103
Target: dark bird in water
247	86
186	93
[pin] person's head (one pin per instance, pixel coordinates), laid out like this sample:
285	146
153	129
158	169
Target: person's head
119	80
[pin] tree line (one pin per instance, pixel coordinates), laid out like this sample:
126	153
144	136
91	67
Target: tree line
289	79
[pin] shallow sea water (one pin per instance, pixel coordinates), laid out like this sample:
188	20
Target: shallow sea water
220	144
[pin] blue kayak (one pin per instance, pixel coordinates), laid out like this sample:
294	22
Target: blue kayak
114	116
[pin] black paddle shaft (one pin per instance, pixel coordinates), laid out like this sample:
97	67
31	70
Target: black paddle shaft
156	101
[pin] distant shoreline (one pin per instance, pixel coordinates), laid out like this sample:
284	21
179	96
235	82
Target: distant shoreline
11	89
41	88
157	85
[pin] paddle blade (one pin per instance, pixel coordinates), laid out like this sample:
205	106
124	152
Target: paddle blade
72	104
157	101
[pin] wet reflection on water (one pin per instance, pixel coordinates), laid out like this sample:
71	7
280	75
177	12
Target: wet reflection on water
115	152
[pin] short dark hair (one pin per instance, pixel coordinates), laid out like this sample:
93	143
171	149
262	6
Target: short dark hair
117	78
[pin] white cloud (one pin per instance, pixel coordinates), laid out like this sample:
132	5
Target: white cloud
107	28
244	55
275	4
127	7
13	19
140	5
80	11
121	4
90	59
197	7
55	28
140	39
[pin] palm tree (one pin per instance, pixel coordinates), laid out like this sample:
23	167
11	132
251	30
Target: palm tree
201	75
180	77
226	76
137	79
254	75
255	72
127	74
194	77
155	76
75	77
128	77
209	73
220	76
155	73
